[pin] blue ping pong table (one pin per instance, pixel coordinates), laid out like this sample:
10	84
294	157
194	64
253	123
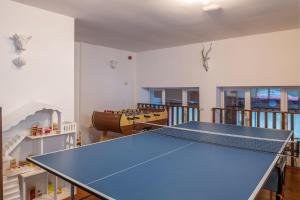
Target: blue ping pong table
151	165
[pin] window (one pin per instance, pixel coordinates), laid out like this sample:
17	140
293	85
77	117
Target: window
265	98
293	99
234	98
294	105
155	96
174	97
193	97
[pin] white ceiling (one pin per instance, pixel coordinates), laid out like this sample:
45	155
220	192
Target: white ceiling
139	25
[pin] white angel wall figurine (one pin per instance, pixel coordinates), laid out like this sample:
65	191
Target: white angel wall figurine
20	42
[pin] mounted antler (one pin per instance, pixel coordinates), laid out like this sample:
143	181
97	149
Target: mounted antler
205	57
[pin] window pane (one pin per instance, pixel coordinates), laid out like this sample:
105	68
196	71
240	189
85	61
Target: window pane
265	98
234	98
174	97
293	99
193	97
294	105
155	96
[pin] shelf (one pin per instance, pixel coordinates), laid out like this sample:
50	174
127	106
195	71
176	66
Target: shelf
20	170
34	172
49	135
63	195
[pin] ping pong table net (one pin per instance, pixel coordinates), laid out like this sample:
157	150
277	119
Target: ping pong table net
268	145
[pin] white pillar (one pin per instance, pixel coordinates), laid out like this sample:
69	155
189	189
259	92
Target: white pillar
184	97
55	189
247	105
284	100
222	96
163	97
247	98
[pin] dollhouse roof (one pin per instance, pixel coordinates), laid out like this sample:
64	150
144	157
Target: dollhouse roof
27	110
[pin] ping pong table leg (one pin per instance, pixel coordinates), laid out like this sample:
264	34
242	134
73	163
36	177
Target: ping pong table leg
72	192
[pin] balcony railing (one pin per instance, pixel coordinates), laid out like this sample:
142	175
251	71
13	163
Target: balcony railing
177	114
263	118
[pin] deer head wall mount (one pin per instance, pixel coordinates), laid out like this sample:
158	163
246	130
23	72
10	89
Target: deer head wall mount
205	57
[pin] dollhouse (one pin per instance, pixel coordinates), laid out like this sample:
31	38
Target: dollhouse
35	128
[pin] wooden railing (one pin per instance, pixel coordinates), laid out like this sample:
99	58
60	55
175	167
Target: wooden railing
177	114
262	118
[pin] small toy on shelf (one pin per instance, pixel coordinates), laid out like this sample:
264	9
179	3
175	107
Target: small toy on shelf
59	190
50	188
38	131
13	164
32	193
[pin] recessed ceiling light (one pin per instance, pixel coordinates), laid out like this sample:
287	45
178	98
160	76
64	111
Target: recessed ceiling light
190	1
204	2
211	7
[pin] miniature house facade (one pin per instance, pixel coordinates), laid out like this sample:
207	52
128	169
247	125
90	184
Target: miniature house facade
34	129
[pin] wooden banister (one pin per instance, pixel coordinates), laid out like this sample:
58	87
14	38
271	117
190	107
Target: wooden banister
263	113
187	112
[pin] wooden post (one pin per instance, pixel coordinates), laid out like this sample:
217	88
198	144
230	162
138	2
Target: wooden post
250	118
193	114
214	115
221	116
182	114
172	115
177	114
1	161
243	117
258	119
283	121
292	139
274	120
266	119
168	110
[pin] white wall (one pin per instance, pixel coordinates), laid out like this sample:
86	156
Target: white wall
101	87
49	75
271	59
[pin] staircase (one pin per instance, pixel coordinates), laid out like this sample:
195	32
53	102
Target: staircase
11	189
12	144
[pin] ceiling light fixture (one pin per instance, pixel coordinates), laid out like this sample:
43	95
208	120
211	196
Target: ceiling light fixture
204	2
211	7
190	1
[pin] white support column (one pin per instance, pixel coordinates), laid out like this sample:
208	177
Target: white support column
47	181
247	98
284	100
284	104
42	146
247	105
222	95
55	189
24	189
163	97
184	97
